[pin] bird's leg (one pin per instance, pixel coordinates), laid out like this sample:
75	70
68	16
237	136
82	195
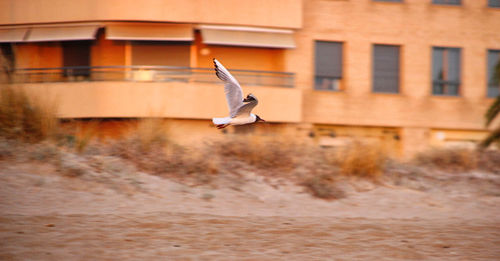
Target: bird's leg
222	126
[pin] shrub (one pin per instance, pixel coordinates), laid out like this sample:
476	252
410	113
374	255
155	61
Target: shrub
449	159
323	186
8	148
23	117
151	132
71	165
361	160
149	148
258	151
44	151
489	160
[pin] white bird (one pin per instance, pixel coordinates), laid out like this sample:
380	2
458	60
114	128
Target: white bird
240	110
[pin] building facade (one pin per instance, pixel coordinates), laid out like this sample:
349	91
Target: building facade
408	74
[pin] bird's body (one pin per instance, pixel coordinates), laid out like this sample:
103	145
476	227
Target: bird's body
236	120
240	110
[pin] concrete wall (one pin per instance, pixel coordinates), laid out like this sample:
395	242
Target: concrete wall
38	55
180	131
172	100
388	139
236	57
276	13
107	52
416	26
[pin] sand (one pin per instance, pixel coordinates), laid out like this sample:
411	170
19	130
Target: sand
45	215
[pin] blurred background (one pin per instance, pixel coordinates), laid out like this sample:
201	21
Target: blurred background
407	74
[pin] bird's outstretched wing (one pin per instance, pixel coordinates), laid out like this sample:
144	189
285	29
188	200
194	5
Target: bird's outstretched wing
234	94
246	108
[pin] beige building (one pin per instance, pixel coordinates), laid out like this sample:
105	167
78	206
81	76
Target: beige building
409	74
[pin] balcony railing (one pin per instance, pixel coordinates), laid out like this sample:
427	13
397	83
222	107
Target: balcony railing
147	74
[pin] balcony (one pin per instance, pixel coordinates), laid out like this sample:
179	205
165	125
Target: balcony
157	91
148	74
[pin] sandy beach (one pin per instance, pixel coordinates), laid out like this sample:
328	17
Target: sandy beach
137	216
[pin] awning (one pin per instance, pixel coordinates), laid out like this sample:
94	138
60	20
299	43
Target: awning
149	32
70	33
12	35
247	36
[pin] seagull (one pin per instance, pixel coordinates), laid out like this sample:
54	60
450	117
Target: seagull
240	110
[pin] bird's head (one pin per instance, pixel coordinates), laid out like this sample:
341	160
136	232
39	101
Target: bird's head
249	98
257	119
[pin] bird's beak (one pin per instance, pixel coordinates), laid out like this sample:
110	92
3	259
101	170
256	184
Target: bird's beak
262	120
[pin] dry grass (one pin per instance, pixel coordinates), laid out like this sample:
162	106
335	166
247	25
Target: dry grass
460	159
44	152
358	159
323	186
258	151
24	117
355	160
489	160
151	132
452	159
8	148
72	166
314	168
84	135
149	148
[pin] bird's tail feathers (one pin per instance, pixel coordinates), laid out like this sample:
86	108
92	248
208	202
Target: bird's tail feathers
218	121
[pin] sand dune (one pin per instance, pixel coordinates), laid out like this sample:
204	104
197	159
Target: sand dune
136	216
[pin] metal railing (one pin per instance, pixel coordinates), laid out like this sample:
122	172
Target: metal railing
147	74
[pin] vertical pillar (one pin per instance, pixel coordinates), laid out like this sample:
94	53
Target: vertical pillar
128	60
193	56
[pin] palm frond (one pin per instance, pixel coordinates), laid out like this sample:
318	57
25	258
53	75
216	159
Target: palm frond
494	136
493	111
496	75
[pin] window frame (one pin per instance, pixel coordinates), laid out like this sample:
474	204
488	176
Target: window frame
399	49
389	1
488	76
338	81
491	5
445	65
436	2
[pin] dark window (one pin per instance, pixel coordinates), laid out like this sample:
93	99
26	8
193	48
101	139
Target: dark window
493	73
386	68
328	65
7	56
445	71
7	60
76	53
494	3
160	53
447	2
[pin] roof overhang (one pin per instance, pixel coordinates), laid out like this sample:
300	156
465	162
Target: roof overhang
149	32
247	36
12	35
62	33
